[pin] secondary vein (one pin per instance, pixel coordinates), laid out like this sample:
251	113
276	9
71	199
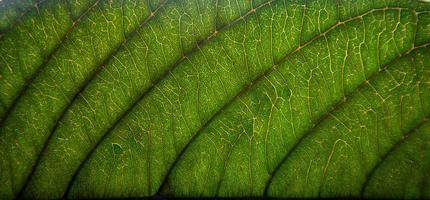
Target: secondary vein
393	148
199	45
81	88
15	21
336	107
247	87
41	67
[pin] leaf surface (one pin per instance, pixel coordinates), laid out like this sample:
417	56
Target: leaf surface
103	99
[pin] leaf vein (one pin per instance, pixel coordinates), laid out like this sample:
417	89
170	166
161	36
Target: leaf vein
81	88
41	67
384	157
155	83
336	107
247	87
15	21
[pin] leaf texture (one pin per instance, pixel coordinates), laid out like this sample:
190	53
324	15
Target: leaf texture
191	98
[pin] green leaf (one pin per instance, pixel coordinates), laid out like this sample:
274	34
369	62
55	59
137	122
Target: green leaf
279	98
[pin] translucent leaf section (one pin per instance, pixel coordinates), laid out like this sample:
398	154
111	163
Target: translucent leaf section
278	98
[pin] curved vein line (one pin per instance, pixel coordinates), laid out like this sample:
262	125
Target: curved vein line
247	87
81	89
384	157
42	66
167	72
275	65
199	45
336	107
15	21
